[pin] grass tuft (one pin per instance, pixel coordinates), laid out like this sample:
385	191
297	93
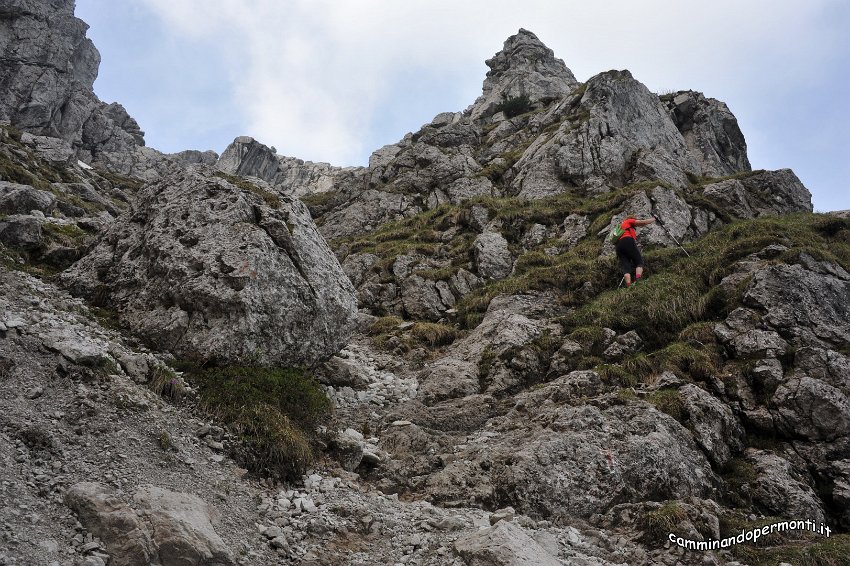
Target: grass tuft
274	412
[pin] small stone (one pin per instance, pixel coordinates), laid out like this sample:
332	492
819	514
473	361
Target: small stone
213	444
280	543
506	514
273	532
35	392
15	322
89	546
371	458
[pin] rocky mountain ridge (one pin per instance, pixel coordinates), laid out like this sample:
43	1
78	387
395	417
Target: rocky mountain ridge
496	399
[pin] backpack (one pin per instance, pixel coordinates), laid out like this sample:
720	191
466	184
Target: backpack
616	232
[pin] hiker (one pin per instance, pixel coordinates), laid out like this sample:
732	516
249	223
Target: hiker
628	253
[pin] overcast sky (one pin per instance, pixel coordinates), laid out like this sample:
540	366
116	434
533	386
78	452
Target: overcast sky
333	80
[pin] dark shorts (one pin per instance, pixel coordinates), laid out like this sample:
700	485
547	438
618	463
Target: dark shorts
628	255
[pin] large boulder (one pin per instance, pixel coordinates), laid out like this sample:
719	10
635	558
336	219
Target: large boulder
809	408
780	490
23	199
206	269
760	194
170	528
102	512
713	424
180	528
493	259
21	232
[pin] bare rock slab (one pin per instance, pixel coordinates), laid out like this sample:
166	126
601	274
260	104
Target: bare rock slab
505	544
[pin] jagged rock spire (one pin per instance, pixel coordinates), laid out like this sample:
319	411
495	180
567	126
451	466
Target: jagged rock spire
524	66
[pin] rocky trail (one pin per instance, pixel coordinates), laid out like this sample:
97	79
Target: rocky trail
69	416
255	359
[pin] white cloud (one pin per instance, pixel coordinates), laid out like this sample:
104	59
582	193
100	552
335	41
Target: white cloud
311	75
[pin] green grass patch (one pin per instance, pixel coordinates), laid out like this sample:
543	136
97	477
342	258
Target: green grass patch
615	374
274	412
165	382
433	334
667	401
69	235
683	359
429	334
656	524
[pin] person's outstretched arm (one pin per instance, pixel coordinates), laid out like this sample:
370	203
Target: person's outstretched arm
644	222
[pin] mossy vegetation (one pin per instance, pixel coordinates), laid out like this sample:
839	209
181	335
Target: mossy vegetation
269	197
816	550
273	411
657	523
391	332
69	235
513	106
799	547
668	401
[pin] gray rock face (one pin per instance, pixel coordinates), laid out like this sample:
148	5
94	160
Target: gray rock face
808	303
681	220
617	133
204	269
778	488
367	211
715	427
249	158
583	462
762	193
195	157
524	67
711	132
492	257
47	69
740	333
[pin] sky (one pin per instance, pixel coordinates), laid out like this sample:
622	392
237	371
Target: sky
334	80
